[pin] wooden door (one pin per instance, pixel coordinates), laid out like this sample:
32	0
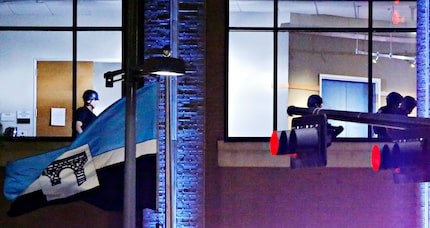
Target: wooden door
55	90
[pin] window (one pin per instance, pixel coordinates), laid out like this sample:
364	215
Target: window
343	92
277	49
51	51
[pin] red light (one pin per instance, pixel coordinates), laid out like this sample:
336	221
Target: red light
396	18
274	143
376	158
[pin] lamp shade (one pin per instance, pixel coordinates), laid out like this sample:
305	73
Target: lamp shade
163	66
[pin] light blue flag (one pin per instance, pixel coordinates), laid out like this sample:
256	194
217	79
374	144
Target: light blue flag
70	170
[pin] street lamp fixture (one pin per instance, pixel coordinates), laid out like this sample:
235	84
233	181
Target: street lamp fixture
163	66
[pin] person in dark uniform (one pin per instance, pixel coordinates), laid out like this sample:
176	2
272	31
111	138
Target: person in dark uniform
85	115
408	104
393	107
316	101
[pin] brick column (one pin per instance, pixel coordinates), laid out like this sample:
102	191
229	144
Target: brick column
190	106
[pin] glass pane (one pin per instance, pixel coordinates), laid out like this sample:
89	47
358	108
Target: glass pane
348	14
21	51
36	13
282	80
98	53
251	13
100	13
394	63
394	14
314	54
347	93
250	84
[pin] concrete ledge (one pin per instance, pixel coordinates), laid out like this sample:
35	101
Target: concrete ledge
257	154
14	149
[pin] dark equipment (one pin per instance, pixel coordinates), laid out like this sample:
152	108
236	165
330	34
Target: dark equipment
392	121
408	154
11	132
306	143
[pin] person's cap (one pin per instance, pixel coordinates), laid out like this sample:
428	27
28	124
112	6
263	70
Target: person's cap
314	100
90	95
394	98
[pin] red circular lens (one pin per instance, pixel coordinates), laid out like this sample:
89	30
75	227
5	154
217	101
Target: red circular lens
274	143
376	158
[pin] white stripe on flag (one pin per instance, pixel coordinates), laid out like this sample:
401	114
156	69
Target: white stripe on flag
117	156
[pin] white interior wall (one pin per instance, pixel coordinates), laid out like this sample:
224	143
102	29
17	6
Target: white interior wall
20	51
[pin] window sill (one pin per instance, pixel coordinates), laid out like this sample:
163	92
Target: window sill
257	154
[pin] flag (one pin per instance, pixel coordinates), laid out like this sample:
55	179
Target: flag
92	167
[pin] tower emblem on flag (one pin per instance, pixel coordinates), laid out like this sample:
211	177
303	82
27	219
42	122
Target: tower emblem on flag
71	173
75	162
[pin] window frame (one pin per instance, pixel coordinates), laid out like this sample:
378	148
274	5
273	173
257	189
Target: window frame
74	28
370	30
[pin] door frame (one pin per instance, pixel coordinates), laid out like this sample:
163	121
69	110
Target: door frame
346	78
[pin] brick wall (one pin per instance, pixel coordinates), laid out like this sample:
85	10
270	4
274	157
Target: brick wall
278	197
190	105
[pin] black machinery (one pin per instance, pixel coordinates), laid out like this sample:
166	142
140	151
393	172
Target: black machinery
407	153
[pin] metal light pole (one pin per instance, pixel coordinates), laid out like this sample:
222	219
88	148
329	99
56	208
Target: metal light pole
170	162
171	124
158	65
130	40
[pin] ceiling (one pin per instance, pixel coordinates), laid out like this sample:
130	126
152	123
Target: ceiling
382	10
16	10
57	7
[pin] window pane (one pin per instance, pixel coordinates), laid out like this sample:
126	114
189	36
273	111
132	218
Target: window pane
20	53
100	13
251	13
312	54
348	14
60	13
332	48
347	93
98	53
36	13
394	14
250	84
282	80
